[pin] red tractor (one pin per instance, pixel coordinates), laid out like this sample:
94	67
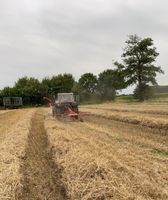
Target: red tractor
64	105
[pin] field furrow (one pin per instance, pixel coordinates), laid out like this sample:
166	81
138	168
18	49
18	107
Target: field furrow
40	173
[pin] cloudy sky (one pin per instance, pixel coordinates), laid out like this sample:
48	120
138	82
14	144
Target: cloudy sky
45	37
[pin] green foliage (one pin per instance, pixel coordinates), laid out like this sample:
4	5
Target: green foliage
76	88
143	93
59	83
88	83
108	82
32	90
8	91
62	83
47	82
138	68
125	98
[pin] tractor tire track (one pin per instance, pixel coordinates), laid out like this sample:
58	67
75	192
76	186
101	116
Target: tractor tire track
41	176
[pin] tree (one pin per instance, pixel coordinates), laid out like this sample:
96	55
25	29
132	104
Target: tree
68	82
76	88
109	81
138	63
106	86
31	90
46	82
8	92
88	83
62	83
145	91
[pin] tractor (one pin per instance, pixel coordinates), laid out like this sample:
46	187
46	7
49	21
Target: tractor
64	106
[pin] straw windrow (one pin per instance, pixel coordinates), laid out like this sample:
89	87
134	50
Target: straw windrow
100	161
14	131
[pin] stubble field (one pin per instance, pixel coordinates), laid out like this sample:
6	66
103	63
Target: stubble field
119	152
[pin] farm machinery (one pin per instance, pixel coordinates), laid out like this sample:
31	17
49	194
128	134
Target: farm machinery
12	102
64	106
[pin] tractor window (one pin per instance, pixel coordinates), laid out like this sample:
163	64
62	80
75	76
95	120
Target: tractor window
65	97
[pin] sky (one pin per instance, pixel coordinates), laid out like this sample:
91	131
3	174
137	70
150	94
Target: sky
42	38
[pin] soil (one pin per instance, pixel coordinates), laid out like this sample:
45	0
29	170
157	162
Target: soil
41	175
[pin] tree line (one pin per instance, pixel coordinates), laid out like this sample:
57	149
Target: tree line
137	67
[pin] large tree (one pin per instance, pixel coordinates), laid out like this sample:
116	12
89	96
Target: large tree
109	81
31	90
88	83
9	91
138	64
62	83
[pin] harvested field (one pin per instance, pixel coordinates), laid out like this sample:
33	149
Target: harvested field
108	159
148	108
156	118
14	128
26	168
3	111
108	156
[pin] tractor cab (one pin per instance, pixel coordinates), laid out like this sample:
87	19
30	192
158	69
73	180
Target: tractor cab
65	97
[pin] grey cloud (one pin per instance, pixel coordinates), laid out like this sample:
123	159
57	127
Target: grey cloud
41	38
